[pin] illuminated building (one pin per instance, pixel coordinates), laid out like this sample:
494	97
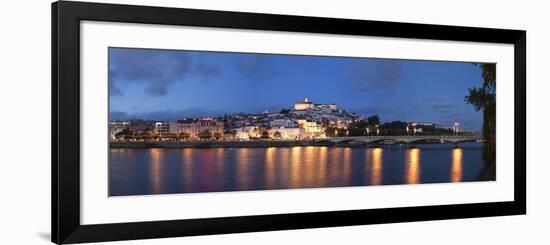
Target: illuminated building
307	105
287	133
164	128
287	123
195	126
247	132
311	128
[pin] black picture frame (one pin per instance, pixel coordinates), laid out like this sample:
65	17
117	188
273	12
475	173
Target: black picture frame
65	167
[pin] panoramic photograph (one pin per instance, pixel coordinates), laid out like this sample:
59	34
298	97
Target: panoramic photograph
183	121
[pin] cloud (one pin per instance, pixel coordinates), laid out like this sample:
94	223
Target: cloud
114	90
372	75
447	111
207	71
156	69
257	66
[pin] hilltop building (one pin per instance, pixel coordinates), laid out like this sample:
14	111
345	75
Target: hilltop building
308	105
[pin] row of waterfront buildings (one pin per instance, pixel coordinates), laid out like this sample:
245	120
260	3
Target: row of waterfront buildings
307	120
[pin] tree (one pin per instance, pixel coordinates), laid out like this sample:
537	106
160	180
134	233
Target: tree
341	132
284	111
206	134
373	120
169	136
217	135
145	136
184	135
331	132
356	131
361	124
394	128
277	135
265	135
125	133
484	99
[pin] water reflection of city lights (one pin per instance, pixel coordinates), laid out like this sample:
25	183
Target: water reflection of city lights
155	177
308	170
412	168
346	167
187	168
295	160
270	167
376	168
456	165
322	167
242	168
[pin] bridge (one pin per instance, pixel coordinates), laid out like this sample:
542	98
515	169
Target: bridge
407	139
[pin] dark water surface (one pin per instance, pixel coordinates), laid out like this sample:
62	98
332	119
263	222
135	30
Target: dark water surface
162	170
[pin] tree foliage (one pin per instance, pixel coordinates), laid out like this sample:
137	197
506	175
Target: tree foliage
284	111
330	132
206	134
124	132
373	120
484	98
184	135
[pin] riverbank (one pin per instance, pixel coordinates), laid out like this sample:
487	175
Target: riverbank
252	144
227	144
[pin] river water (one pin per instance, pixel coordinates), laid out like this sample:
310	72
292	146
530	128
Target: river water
187	170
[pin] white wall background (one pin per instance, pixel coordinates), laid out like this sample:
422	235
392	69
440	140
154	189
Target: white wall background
25	112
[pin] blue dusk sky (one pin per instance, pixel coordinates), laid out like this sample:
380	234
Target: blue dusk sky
169	85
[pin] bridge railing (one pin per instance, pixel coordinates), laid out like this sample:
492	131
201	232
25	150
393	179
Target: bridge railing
472	136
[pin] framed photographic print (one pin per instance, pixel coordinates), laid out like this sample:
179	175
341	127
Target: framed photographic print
177	122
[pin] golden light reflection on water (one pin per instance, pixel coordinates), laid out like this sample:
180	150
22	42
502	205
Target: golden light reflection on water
322	166
376	166
412	166
334	173
219	169
283	164
456	166
219	163
295	159
155	177
187	168
346	167
242	168
270	167
310	159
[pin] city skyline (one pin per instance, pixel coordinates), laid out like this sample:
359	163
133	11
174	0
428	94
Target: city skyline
171	84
